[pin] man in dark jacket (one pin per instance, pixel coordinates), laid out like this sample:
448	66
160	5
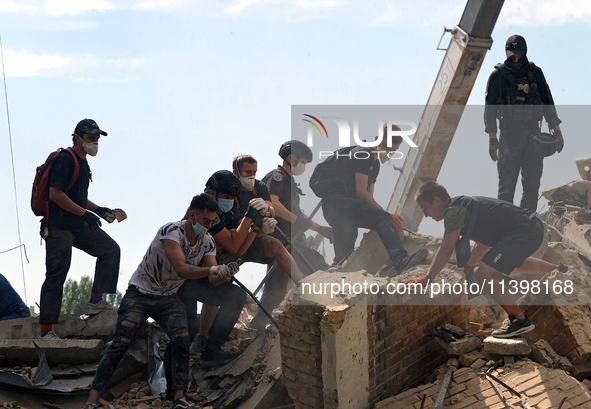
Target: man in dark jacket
518	95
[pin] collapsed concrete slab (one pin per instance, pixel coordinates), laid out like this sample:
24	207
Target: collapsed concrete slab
99	326
57	351
506	346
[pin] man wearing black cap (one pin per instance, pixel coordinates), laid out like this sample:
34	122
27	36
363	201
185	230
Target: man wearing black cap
518	95
72	222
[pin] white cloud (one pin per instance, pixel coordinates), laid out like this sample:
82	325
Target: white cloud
536	13
61	7
243	4
156	4
86	68
9	6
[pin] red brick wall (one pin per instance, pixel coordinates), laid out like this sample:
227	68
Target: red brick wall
401	350
301	355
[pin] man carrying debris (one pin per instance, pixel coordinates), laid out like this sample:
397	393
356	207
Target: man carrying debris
517	94
72	222
285	196
349	204
236	235
505	237
173	257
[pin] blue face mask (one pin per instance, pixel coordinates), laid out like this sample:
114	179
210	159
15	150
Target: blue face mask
225	205
199	229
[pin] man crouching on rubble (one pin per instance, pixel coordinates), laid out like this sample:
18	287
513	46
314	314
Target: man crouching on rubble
172	257
505	237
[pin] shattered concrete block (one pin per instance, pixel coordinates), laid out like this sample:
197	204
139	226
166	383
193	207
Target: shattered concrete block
509	359
453	362
478	363
581	187
543	353
469	358
475	326
506	346
460	346
584	167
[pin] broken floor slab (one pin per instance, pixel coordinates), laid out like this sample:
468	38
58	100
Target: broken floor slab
541	387
99	326
58	351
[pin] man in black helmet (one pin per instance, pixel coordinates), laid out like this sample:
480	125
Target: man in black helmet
285	197
349	204
518	95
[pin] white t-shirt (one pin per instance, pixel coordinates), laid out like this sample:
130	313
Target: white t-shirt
155	275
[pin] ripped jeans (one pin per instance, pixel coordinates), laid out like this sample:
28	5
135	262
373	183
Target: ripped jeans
169	312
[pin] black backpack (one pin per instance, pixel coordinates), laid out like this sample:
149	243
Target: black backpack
323	176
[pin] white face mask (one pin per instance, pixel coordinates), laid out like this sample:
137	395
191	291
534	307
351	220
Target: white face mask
247	183
298	169
90	148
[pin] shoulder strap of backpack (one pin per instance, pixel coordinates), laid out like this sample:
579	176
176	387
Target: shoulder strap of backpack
76	172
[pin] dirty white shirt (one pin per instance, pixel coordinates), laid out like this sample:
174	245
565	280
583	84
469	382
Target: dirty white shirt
155	275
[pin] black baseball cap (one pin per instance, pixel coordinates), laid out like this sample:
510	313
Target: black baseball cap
516	45
88	126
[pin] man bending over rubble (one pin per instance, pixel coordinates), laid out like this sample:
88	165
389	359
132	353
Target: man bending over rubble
171	259
505	237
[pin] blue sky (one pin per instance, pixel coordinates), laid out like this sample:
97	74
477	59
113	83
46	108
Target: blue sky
184	86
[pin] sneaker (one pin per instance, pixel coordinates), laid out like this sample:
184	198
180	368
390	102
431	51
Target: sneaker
92	406
95	308
217	357
418	257
181	403
198	345
50	335
514	326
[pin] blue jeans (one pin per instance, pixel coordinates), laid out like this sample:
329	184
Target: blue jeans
169	312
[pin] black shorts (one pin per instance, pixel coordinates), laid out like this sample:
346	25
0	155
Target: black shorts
514	248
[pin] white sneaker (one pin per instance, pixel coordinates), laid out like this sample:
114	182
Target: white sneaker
50	335
98	307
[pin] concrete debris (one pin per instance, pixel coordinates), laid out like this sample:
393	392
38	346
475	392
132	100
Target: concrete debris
540	386
460	346
584	167
544	354
506	346
469	358
70	351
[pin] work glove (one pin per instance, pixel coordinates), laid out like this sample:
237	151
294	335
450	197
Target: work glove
560	141
259	204
326	231
224	271
397	221
269	225
92	220
302	223
493	149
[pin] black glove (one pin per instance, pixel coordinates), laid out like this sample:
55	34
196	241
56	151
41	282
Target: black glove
302	223
92	220
326	232
560	141
493	149
102	211
251	212
257	220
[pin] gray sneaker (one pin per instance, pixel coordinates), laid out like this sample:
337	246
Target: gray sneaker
95	308
92	406
181	403
50	335
514	326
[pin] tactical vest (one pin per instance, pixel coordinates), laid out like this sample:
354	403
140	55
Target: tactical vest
520	98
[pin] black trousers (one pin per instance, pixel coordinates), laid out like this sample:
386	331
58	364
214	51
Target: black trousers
227	296
58	255
169	312
346	215
518	153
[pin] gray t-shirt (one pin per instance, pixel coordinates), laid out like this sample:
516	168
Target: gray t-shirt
155	275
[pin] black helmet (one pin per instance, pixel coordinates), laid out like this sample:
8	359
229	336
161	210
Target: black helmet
299	149
516	45
547	143
224	181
